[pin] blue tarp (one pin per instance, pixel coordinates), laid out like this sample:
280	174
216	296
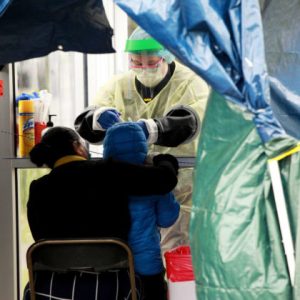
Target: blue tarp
31	28
3	6
281	21
222	41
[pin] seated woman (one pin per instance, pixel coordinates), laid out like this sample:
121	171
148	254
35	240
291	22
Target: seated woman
82	198
127	142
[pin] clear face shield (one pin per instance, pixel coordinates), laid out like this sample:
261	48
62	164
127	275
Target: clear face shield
149	69
144	62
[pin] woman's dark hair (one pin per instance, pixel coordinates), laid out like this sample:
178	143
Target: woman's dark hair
56	142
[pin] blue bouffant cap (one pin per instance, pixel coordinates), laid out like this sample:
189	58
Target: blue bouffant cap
140	34
126	142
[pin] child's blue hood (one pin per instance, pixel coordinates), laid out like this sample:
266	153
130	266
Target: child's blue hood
125	141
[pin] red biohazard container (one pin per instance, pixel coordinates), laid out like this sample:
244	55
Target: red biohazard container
181	280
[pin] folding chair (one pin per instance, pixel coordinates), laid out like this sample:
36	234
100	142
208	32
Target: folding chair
95	255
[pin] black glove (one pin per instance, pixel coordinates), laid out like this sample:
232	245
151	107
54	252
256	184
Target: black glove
83	125
180	125
166	159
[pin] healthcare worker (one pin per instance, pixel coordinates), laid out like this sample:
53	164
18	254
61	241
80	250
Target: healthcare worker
168	100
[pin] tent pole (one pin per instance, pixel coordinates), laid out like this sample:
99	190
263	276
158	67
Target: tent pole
283	217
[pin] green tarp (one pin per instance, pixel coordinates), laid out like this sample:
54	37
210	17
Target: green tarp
235	237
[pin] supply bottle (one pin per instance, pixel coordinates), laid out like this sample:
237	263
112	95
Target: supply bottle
49	124
26	127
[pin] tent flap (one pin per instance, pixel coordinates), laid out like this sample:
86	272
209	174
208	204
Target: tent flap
3	6
32	28
235	237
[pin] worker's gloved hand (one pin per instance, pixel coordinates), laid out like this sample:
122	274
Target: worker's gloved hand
108	118
142	124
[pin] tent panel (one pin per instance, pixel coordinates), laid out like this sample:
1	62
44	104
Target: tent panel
69	25
235	239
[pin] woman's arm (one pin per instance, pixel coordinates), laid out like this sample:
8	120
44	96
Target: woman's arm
160	178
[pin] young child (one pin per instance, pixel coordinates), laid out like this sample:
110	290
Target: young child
127	142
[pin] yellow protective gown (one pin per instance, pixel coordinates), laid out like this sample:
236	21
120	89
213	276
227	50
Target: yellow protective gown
184	88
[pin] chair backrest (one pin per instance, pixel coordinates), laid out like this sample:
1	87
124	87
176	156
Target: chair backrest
94	255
